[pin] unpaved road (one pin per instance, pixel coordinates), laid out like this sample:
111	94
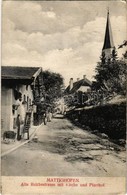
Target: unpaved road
65	150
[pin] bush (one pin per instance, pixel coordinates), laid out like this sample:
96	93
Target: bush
109	119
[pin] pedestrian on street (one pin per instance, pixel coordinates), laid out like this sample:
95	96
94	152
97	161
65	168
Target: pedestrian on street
50	116
47	115
45	119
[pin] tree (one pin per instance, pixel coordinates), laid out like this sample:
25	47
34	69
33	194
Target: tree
124	44
102	71
125	55
53	83
114	55
111	74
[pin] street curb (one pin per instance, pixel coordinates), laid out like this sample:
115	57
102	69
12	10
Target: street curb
16	147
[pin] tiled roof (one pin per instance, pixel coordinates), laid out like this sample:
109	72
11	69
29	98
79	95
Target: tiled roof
15	72
77	85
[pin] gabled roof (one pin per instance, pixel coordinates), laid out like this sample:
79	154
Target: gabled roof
18	73
77	85
108	40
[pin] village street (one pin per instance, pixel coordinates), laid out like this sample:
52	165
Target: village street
63	149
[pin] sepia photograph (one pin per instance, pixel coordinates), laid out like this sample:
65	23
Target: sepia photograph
63	95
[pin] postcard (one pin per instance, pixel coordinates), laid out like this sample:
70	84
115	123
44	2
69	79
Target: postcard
63	97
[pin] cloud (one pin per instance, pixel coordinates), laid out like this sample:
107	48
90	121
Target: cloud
64	37
28	16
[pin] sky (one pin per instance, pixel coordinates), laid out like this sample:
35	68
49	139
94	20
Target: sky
61	36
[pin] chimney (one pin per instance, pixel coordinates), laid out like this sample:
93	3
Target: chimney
84	76
71	83
78	79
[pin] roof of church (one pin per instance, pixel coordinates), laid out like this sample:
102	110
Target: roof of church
108	40
15	72
77	85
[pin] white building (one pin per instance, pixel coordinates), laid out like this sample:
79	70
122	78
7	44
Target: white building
19	90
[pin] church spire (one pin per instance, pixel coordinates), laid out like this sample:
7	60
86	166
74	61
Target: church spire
108	40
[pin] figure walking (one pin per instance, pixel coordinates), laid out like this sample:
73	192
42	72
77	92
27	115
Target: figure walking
45	118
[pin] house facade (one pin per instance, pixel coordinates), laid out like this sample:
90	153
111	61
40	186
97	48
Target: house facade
83	85
76	92
21	89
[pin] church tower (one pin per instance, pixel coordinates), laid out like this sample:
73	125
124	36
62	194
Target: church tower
108	40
